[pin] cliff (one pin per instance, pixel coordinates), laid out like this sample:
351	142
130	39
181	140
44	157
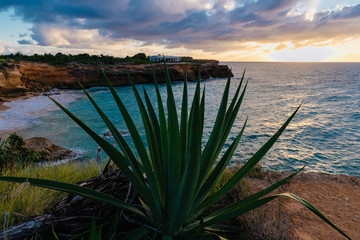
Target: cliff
20	77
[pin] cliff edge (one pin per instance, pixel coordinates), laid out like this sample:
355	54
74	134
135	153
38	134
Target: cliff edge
21	77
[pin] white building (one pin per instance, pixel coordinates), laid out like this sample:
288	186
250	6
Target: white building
160	58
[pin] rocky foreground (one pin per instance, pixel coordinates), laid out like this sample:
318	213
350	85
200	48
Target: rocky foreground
336	196
21	77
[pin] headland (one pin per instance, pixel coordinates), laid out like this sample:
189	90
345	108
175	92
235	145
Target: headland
22	77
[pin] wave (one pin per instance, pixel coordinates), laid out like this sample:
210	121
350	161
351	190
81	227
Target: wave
23	113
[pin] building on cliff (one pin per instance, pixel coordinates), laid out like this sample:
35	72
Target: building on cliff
160	58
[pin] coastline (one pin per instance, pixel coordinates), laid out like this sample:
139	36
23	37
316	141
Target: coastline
337	194
22	77
23	97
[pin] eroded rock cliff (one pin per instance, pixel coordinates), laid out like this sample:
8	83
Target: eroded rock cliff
20	77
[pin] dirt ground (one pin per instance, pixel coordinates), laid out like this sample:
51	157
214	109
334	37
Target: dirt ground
336	196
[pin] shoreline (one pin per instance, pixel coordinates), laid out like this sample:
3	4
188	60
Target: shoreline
12	99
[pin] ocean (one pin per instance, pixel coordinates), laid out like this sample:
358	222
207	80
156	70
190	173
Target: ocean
325	134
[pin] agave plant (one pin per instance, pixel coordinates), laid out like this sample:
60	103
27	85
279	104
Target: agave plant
174	174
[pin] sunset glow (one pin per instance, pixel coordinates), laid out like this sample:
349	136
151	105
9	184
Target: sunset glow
228	30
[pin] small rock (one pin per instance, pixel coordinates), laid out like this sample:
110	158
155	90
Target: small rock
107	134
122	132
48	151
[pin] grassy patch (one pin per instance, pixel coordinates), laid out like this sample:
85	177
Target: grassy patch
32	201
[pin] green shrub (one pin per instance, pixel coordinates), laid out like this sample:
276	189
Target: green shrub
84	58
175	175
12	151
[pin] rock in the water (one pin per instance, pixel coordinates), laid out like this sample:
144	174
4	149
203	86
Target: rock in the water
122	132
48	150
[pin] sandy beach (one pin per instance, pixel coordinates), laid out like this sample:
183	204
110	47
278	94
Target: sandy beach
2	107
11	99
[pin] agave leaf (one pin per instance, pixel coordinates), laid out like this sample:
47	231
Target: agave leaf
184	125
130	157
75	189
229	120
163	132
238	209
137	234
174	154
314	210
191	115
271	188
230	117
53	232
149	163
235	211
213	141
114	154
202	110
221	228
216	174
157	158
154	121
249	165
259	194
139	145
188	186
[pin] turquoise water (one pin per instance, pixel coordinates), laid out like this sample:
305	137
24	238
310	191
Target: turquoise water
325	133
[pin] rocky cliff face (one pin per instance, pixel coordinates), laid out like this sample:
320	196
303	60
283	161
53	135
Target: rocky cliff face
21	77
10	82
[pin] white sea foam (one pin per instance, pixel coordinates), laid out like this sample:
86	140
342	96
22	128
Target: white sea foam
24	112
80	154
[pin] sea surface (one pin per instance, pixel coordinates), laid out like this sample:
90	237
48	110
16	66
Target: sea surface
325	134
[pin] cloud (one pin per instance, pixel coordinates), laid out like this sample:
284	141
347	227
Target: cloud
302	54
347	12
55	35
25	42
211	26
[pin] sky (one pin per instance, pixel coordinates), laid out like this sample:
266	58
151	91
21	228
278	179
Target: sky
227	30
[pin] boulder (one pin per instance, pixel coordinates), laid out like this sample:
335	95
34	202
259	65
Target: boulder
48	150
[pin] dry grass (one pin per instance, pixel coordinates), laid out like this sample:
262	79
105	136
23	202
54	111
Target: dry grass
267	222
32	201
